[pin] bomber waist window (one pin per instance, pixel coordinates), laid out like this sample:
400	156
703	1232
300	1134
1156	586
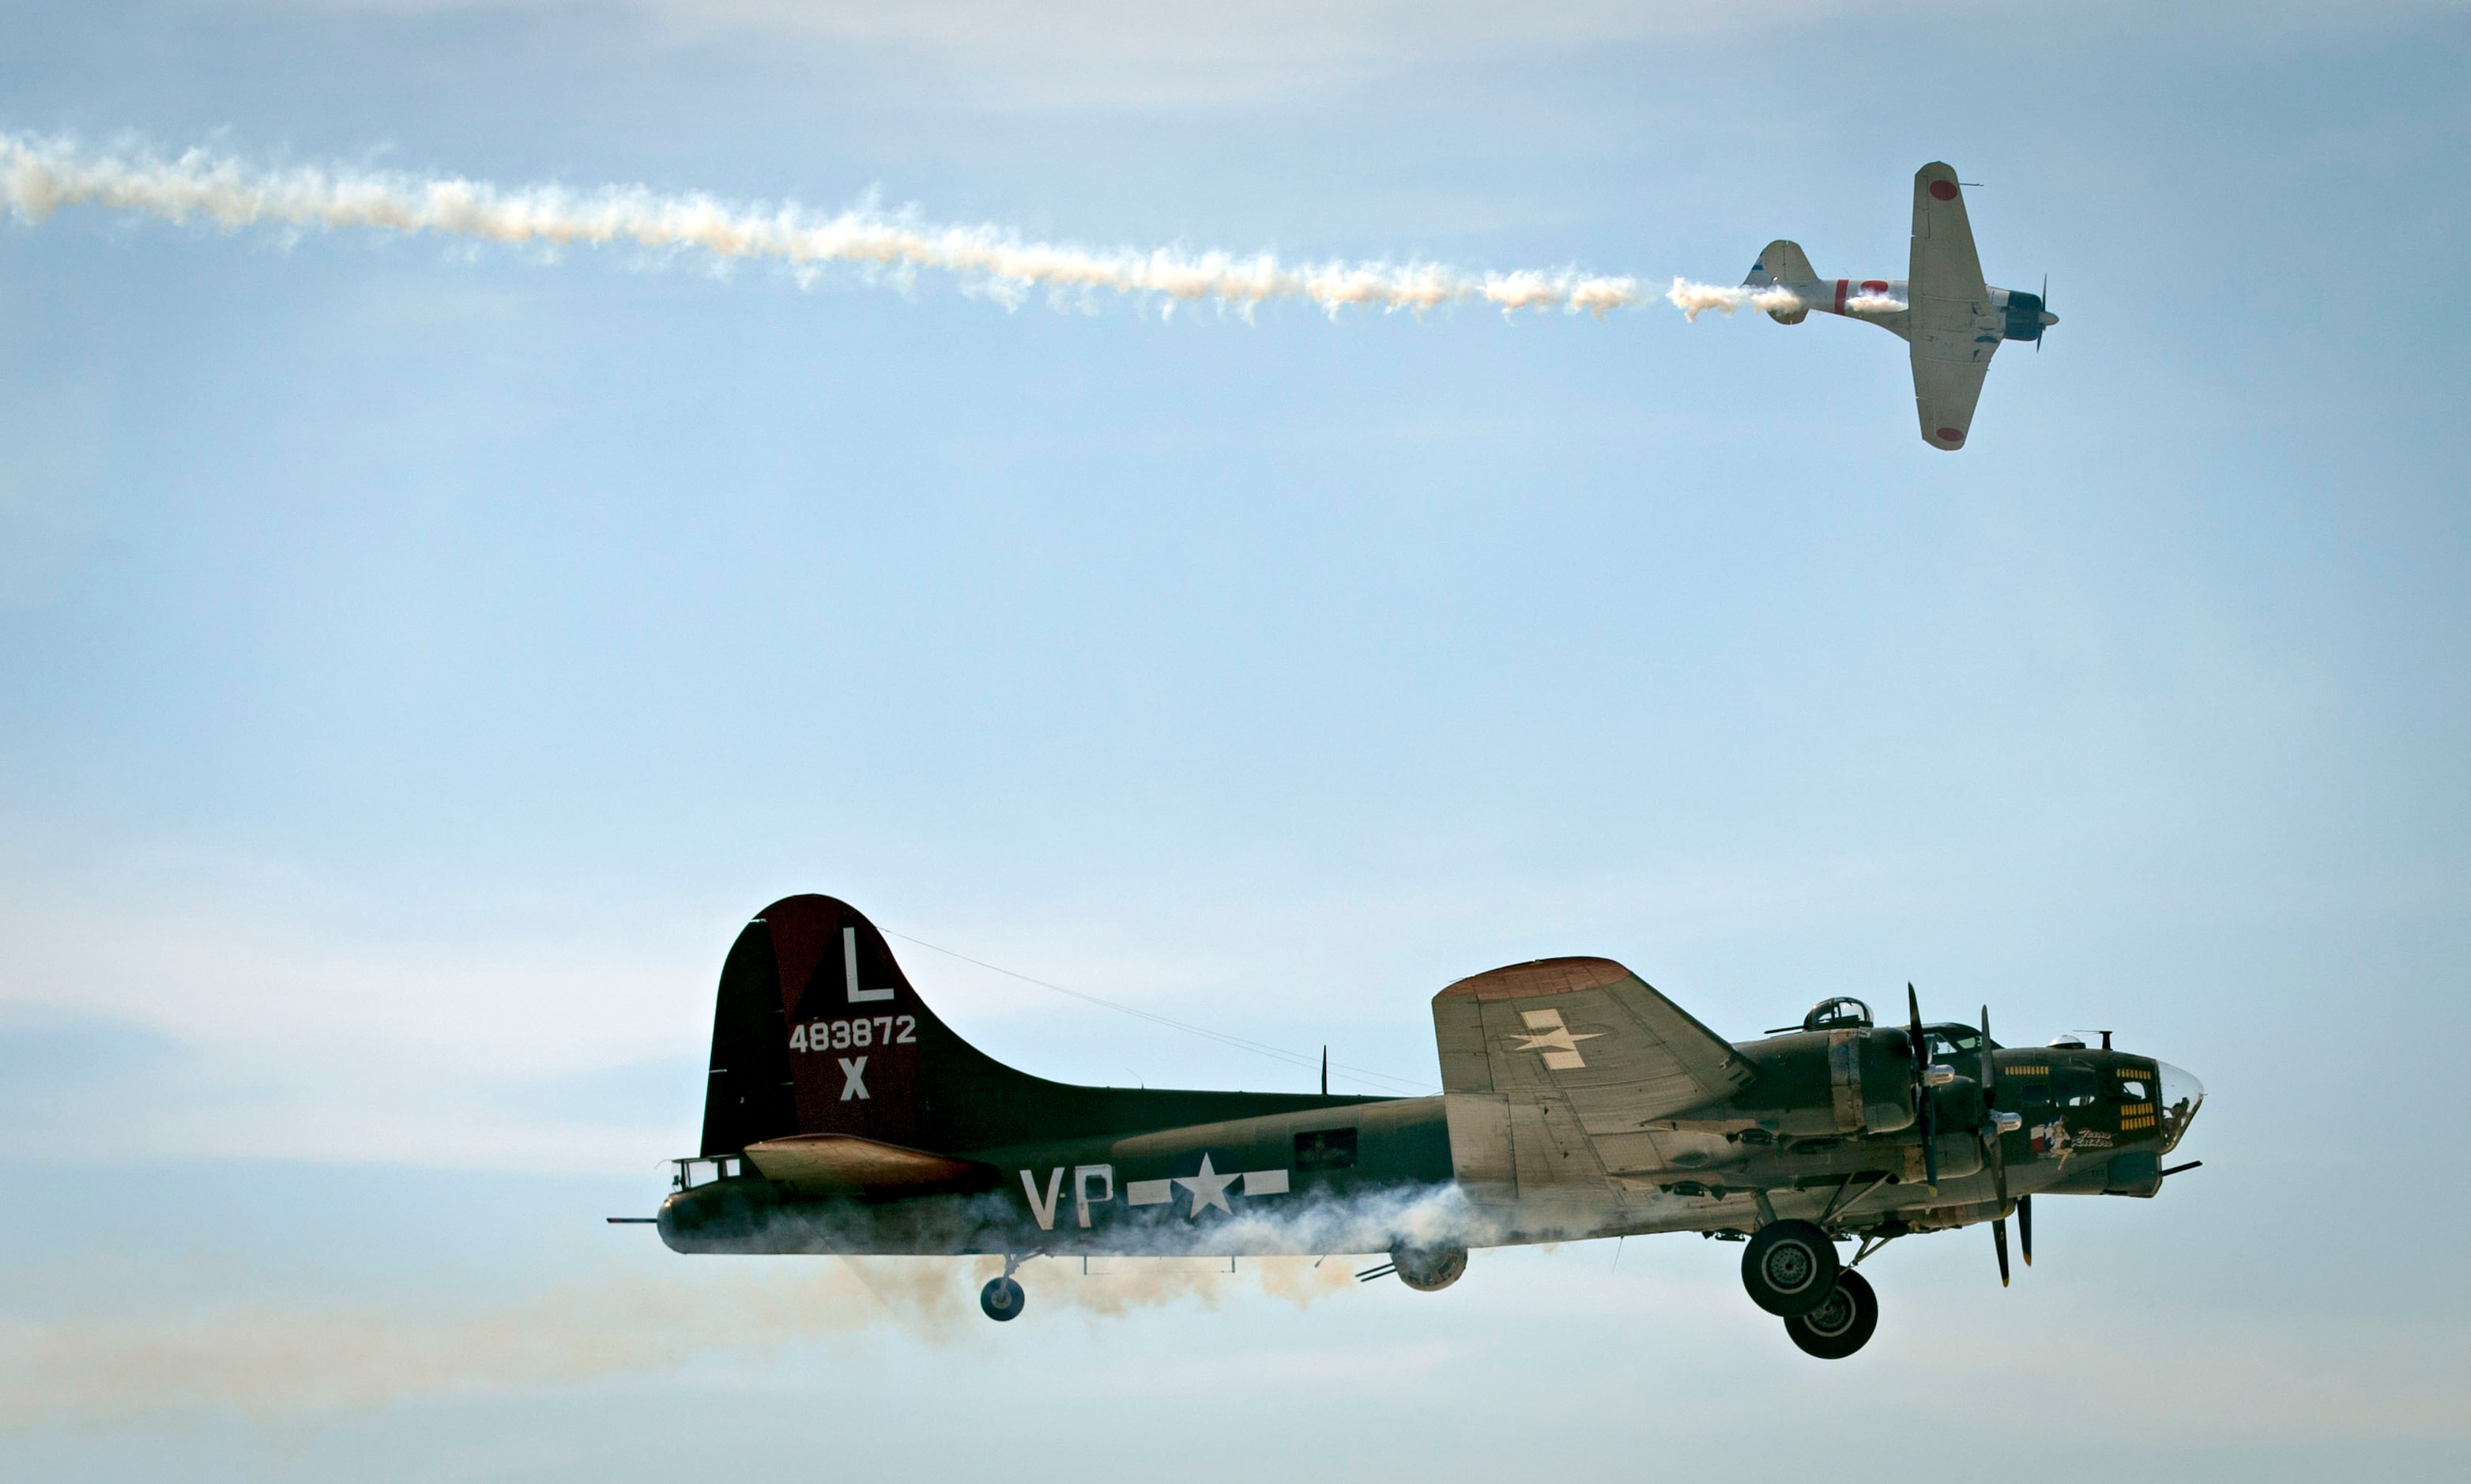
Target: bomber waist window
1326	1148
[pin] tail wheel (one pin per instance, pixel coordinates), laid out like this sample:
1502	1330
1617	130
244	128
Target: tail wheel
1789	1267
1001	1299
1841	1325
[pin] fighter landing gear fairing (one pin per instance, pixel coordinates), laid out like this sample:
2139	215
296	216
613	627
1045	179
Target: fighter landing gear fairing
843	1116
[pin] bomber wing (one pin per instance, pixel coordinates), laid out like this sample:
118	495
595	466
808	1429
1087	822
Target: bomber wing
1546	1059
1953	328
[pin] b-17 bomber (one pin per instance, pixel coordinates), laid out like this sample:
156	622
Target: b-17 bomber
842	1116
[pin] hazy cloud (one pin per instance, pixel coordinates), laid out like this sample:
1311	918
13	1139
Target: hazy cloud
1128	53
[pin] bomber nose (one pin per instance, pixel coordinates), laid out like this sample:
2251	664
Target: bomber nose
2049	319
2183	1094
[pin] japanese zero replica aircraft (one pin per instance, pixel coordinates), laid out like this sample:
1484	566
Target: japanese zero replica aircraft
1951	317
843	1117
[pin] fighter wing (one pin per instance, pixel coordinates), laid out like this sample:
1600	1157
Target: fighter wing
1953	328
1586	1031
1945	390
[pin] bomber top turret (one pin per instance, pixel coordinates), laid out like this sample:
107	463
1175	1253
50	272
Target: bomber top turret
1842	1013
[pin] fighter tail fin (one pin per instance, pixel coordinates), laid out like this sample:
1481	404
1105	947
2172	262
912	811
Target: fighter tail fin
1782	262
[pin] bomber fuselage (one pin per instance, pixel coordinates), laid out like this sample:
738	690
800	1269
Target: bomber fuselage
1827	1131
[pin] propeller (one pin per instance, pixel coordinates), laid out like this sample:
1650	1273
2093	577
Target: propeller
1923	1091
1992	1130
1995	1125
2048	320
1998	1146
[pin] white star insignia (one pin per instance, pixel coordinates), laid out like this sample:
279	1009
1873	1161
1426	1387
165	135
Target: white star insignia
1558	1042
1209	1189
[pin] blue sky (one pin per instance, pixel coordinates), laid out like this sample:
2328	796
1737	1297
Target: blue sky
416	660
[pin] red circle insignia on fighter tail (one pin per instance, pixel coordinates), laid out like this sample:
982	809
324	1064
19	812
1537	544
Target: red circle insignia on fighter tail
1944	190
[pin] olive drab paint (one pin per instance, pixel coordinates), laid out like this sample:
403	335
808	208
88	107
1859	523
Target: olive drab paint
843	1115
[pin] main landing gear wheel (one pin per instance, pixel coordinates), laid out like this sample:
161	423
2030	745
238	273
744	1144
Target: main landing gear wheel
1841	1325
1789	1267
1001	1299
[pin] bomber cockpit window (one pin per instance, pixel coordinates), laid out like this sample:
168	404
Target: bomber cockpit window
1946	1041
2074	1087
1326	1148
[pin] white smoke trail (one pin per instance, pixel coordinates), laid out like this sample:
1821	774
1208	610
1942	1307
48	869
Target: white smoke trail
266	1359
39	176
1694	299
274	1359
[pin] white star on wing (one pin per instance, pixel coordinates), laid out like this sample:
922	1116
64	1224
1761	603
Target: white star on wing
1559	1044
1557	1039
1209	1189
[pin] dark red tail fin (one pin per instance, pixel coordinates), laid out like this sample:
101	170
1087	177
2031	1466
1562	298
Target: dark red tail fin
818	1031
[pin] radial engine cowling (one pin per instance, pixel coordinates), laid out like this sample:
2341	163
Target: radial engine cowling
2024	316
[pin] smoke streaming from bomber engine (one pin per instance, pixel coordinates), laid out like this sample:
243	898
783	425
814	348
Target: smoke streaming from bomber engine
39	176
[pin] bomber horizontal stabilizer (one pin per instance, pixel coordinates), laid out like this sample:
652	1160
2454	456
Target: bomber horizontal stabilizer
844	1164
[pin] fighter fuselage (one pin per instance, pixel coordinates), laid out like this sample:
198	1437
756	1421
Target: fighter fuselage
1885	303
